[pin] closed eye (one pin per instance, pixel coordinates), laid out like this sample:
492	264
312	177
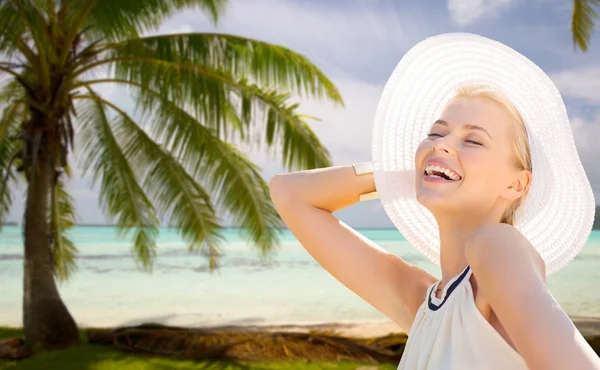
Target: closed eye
438	135
467	141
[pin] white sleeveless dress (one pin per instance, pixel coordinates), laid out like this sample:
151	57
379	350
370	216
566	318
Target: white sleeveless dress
451	334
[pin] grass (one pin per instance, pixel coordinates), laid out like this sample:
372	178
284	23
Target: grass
95	357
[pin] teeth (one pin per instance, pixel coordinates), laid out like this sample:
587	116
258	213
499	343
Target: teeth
448	172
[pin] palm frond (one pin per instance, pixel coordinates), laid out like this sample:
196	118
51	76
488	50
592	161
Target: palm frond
62	218
173	190
11	27
214	97
11	117
11	72
265	64
10	91
118	20
36	26
300	146
120	193
234	179
9	151
206	91
582	22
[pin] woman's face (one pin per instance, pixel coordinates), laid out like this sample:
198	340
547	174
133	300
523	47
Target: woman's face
472	141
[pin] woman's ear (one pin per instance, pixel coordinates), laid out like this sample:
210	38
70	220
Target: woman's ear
519	185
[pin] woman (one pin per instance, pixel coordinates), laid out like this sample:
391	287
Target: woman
474	162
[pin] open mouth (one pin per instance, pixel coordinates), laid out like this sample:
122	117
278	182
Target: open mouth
441	173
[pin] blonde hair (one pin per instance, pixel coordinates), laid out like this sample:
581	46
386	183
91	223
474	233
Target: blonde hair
521	150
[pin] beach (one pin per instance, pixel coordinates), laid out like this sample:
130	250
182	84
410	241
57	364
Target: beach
289	290
588	326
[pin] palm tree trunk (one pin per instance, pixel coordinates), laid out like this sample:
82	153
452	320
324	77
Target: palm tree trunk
47	322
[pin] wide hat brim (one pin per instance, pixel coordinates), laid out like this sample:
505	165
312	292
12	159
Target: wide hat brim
556	215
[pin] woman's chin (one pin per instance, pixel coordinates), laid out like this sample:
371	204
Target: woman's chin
429	195
439	204
435	201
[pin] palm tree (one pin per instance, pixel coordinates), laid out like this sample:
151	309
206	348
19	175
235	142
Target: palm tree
582	22
192	93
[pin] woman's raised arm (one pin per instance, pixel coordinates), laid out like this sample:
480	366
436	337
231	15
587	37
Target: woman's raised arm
306	201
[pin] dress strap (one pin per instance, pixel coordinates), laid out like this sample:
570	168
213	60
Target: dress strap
469	272
453	284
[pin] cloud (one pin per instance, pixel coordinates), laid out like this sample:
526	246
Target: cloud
465	12
586	133
356	39
579	83
175	28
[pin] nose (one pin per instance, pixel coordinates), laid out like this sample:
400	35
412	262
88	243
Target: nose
442	144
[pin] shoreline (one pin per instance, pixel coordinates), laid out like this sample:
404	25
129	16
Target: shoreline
588	326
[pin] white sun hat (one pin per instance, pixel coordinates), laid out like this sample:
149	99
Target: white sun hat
558	211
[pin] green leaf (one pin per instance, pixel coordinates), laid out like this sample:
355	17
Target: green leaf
9	125
236	181
9	121
265	64
221	103
120	193
62	218
10	91
118	20
582	22
11	27
299	145
177	195
36	26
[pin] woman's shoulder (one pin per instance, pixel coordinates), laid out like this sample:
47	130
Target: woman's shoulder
504	266
498	248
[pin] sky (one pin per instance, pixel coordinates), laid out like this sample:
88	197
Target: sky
357	43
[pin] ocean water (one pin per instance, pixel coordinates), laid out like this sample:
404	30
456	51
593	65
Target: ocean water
288	287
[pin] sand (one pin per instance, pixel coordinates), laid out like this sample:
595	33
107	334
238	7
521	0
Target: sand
588	326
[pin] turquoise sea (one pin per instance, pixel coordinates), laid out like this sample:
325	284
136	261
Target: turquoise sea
289	287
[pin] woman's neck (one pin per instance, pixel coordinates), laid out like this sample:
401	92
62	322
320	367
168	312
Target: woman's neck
454	234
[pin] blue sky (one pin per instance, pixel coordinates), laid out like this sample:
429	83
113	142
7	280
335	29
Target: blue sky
357	43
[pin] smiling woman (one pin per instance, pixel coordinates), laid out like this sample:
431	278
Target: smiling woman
472	141
482	193
501	125
472	103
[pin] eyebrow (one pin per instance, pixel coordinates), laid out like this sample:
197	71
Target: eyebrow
468	127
